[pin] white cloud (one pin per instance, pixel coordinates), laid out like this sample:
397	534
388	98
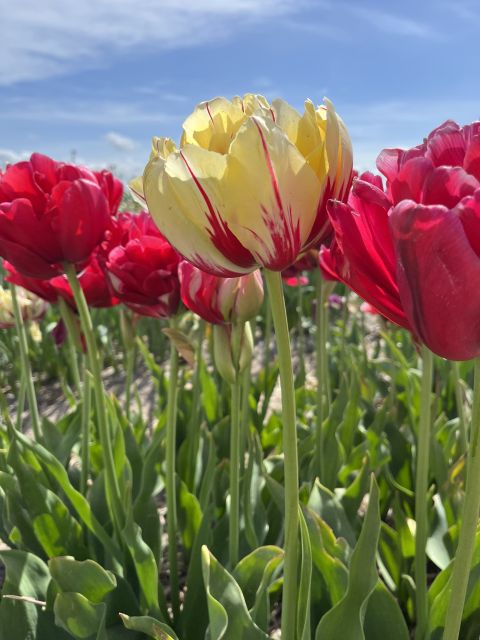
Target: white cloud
395	24
85	110
66	35
8	156
120	142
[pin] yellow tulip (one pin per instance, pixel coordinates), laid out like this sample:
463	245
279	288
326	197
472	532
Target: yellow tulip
249	183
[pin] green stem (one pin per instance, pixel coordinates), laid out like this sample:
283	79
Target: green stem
301	336
72	342
196	417
322	290
170	480
421	489
462	423
290	587
85	472
246	383
266	350
130	365
21	400
112	486
26	368
466	543
234	524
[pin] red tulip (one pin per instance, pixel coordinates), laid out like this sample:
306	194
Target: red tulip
220	300
143	267
414	251
52	213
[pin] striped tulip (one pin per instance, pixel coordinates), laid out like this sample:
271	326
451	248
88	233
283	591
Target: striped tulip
248	186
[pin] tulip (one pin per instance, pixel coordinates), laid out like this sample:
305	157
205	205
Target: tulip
53	213
143	268
411	250
246	189
221	300
249	183
32	308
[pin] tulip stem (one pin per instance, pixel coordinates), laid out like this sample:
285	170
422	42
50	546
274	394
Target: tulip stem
462	424
290	586
21	400
170	479
196	416
421	489
85	472
234	524
25	365
111	480
463	558
322	291
72	343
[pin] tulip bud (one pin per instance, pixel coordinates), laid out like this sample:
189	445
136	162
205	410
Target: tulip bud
222	353
232	349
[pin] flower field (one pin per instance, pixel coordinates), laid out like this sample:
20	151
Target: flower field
240	398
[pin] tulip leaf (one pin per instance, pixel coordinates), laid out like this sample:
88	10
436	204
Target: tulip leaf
182	344
228	613
27	576
305	576
384	616
78	501
149	626
347	616
86	577
145	566
326	504
254	574
194	616
80	617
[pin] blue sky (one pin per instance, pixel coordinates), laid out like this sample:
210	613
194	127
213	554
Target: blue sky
101	77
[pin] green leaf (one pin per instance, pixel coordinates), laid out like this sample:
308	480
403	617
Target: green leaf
384	616
57	531
254	575
78	501
80	617
86	577
303	604
256	526
228	613
151	627
194	616
347	616
326	504
145	565
27	576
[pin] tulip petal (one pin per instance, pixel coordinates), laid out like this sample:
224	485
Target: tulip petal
83	216
446	145
185	197
355	259
437	272
448	185
272	193
472	157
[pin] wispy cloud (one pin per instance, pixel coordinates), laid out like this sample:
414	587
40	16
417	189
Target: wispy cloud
395	24
120	142
67	35
86	110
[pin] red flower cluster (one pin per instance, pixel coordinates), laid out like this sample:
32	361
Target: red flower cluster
413	249
142	266
52	213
